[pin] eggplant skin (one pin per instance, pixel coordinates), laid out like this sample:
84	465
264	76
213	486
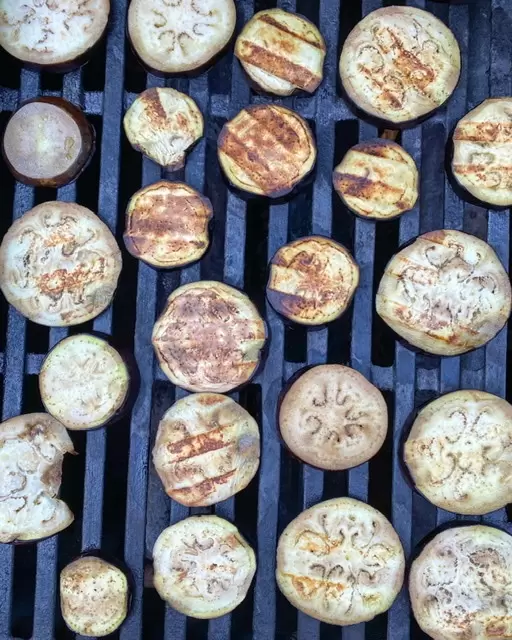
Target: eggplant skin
446	293
281	52
482	152
167	224
209	337
377	179
399	64
203	566
312	280
266	150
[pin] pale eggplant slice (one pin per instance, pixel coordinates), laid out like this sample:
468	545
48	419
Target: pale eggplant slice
482	152
399	64
59	264
340	562
209	337
167	224
281	52
48	142
203	566
377	179
266	150
312	280
32	448
163	124
446	293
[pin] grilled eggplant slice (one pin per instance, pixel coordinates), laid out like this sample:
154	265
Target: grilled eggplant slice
167	224
94	596
482	152
163	124
209	337
59	264
175	37
48	142
312	280
266	150
281	52
377	179
203	566
400	64
446	293
32	448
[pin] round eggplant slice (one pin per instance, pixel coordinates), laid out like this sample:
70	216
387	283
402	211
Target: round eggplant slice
175	37
48	142
266	150
203	566
163	124
482	152
399	64
209	337
54	35
281	52
459	584
94	596
84	382
32	448
340	562
446	293
312	280
377	179
167	224
207	449
59	264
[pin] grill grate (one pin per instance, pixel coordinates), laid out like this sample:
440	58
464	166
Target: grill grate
111	486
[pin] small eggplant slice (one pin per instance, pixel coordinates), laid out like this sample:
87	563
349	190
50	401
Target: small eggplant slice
266	150
203	566
48	142
32	448
209	337
59	264
312	280
163	124
482	152
167	224
399	64
377	179
281	52
446	293
94	596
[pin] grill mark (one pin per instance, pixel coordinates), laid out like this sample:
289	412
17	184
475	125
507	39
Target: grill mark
269	20
153	105
198	444
361	187
272	121
483	132
204	487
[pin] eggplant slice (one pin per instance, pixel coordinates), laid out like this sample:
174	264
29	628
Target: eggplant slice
163	124
377	179
399	64
446	293
59	264
32	448
266	150
312	280
167	224
281	52
209	337
482	152
203	566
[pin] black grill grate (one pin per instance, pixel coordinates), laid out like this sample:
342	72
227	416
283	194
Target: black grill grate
118	501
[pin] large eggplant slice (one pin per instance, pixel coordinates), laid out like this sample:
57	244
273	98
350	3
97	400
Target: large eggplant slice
399	64
281	52
209	337
446	293
203	566
32	448
266	150
59	264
